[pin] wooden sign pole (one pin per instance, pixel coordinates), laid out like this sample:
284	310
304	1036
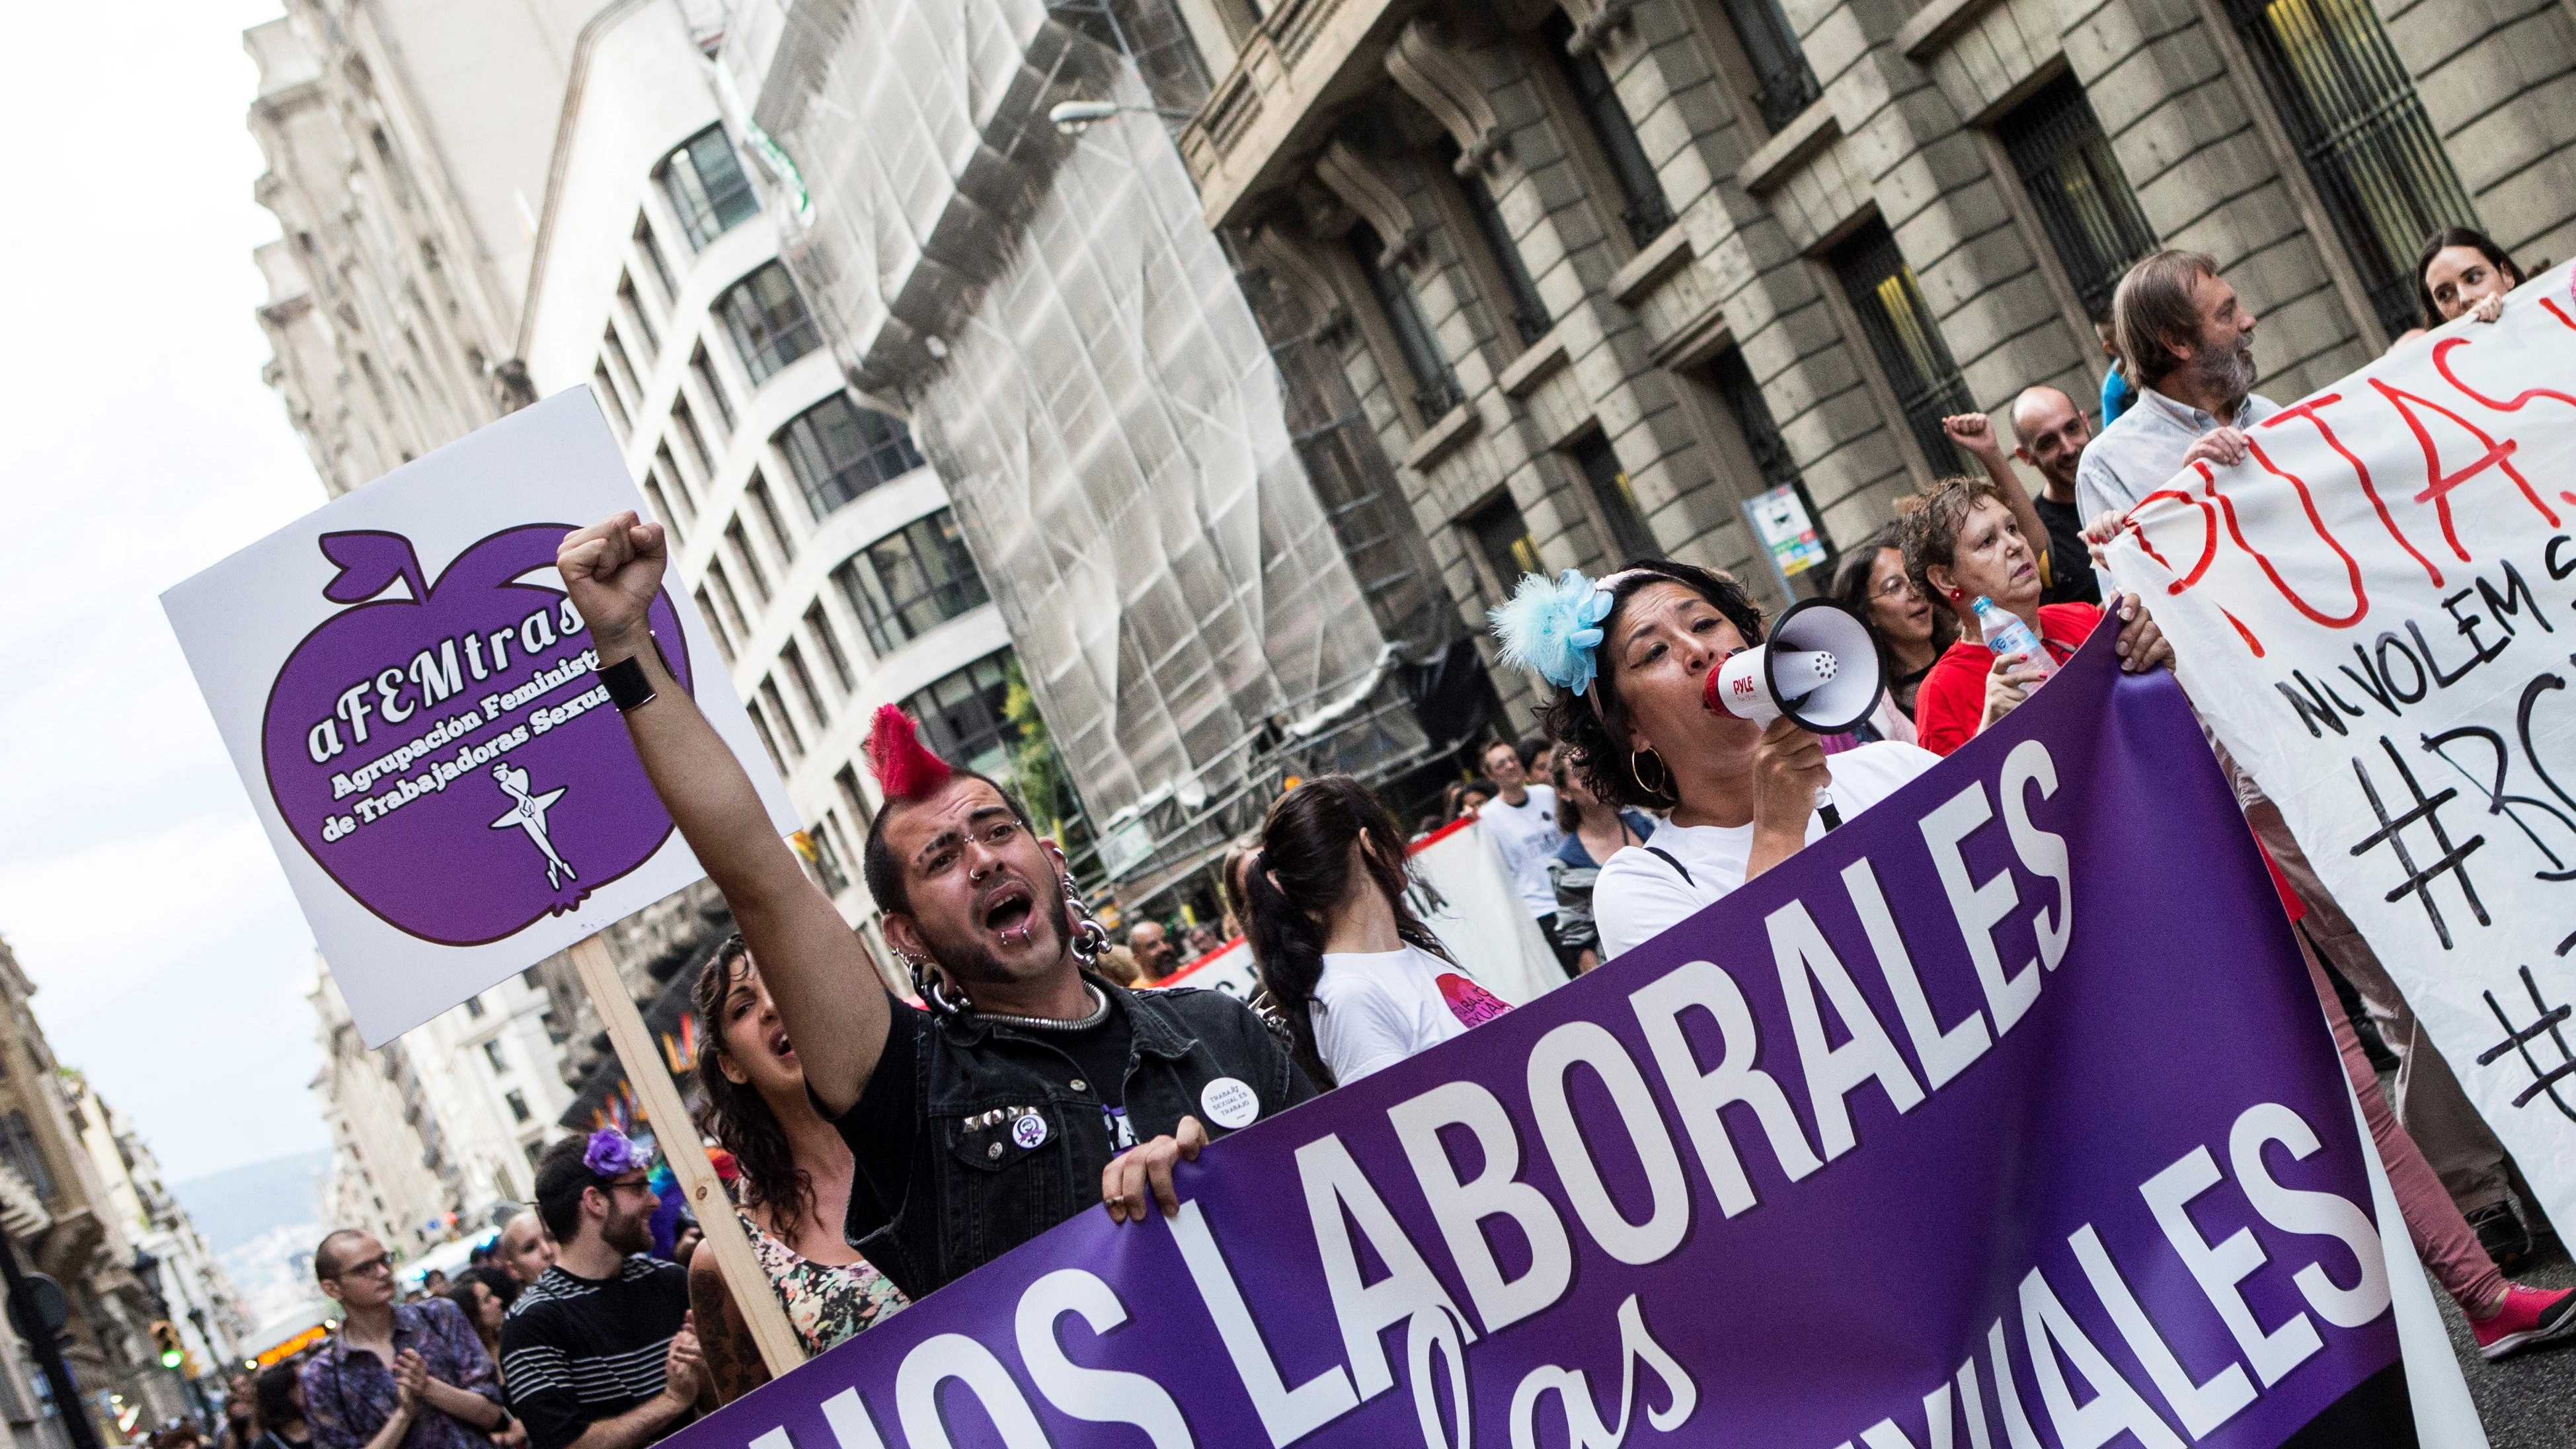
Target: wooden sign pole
678	1138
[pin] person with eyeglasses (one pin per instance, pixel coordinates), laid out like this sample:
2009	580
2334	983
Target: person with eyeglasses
600	1351
395	1375
1871	581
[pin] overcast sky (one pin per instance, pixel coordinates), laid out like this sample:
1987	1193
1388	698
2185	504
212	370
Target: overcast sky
135	885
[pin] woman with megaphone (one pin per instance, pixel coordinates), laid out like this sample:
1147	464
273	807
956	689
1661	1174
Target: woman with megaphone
1670	701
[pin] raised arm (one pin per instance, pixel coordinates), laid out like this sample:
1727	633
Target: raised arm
829	997
1976	433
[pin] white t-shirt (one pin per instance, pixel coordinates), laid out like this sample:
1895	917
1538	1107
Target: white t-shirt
1640	896
1527	836
1373	1009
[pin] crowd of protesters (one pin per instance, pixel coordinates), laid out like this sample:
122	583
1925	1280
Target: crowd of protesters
845	1117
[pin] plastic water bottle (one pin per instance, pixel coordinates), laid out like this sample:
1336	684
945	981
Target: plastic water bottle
2007	634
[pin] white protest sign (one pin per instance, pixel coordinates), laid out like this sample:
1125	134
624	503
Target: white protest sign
413	704
1480	919
2373	612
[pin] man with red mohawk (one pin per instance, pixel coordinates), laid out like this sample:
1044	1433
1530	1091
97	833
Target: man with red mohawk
983	1121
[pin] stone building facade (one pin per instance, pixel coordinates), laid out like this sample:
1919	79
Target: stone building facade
65	1219
177	1270
1609	271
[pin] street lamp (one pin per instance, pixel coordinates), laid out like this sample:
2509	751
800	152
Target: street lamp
1072	118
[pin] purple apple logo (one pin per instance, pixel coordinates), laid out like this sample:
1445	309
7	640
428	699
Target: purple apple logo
451	758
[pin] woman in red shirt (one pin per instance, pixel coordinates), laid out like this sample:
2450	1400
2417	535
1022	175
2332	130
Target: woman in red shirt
1962	544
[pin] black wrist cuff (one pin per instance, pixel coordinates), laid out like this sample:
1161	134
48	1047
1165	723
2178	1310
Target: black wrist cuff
628	688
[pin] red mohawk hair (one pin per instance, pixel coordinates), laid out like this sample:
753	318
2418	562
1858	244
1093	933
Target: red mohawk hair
904	767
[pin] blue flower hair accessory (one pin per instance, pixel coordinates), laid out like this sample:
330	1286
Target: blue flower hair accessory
1554	627
611	1153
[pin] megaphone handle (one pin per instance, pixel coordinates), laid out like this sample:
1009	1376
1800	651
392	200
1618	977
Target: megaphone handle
1825	810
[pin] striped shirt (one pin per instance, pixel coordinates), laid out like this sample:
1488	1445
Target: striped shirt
576	1350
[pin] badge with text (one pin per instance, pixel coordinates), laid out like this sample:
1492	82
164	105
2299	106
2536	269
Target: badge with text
414	704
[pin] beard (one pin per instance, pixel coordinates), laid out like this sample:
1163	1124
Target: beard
630	1234
2226	373
968	960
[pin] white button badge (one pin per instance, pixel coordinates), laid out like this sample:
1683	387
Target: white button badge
1229	1103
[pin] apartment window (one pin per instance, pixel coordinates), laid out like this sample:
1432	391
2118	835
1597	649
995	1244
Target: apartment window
609	401
715	625
1783	83
685	423
2360	129
767	321
18	1148
474	1008
658	489
633	305
778	714
1435	384
1529	312
703	368
536	1153
705	184
1645	213
492	1053
518	1105
1614	499
621	366
1909	348
839	450
1741	396
758	577
794	658
911	581
827	859
768	741
962	716
1502	536
669	468
732	603
819	621
848	781
652	253
758	491
2076	185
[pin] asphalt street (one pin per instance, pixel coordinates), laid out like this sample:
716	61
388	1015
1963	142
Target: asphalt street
2528	1401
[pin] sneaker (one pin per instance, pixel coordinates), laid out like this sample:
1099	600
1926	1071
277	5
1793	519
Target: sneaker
2528	1316
2503	1236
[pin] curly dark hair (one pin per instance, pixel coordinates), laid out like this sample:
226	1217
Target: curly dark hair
1599	738
1929	524
738	1116
1303	868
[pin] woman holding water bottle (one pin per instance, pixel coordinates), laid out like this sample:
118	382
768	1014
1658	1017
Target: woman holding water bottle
1964	550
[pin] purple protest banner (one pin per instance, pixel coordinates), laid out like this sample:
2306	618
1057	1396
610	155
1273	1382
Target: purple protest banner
2003	1116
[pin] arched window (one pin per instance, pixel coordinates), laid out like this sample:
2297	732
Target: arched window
767	320
706	187
839	450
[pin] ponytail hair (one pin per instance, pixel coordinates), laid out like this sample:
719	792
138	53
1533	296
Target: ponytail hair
1302	872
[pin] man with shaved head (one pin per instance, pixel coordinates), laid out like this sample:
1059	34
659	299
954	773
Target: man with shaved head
2053	433
526	1252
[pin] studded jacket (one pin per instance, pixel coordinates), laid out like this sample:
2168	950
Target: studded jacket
1007	1143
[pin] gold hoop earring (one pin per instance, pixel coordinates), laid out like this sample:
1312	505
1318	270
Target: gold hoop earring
1655	792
